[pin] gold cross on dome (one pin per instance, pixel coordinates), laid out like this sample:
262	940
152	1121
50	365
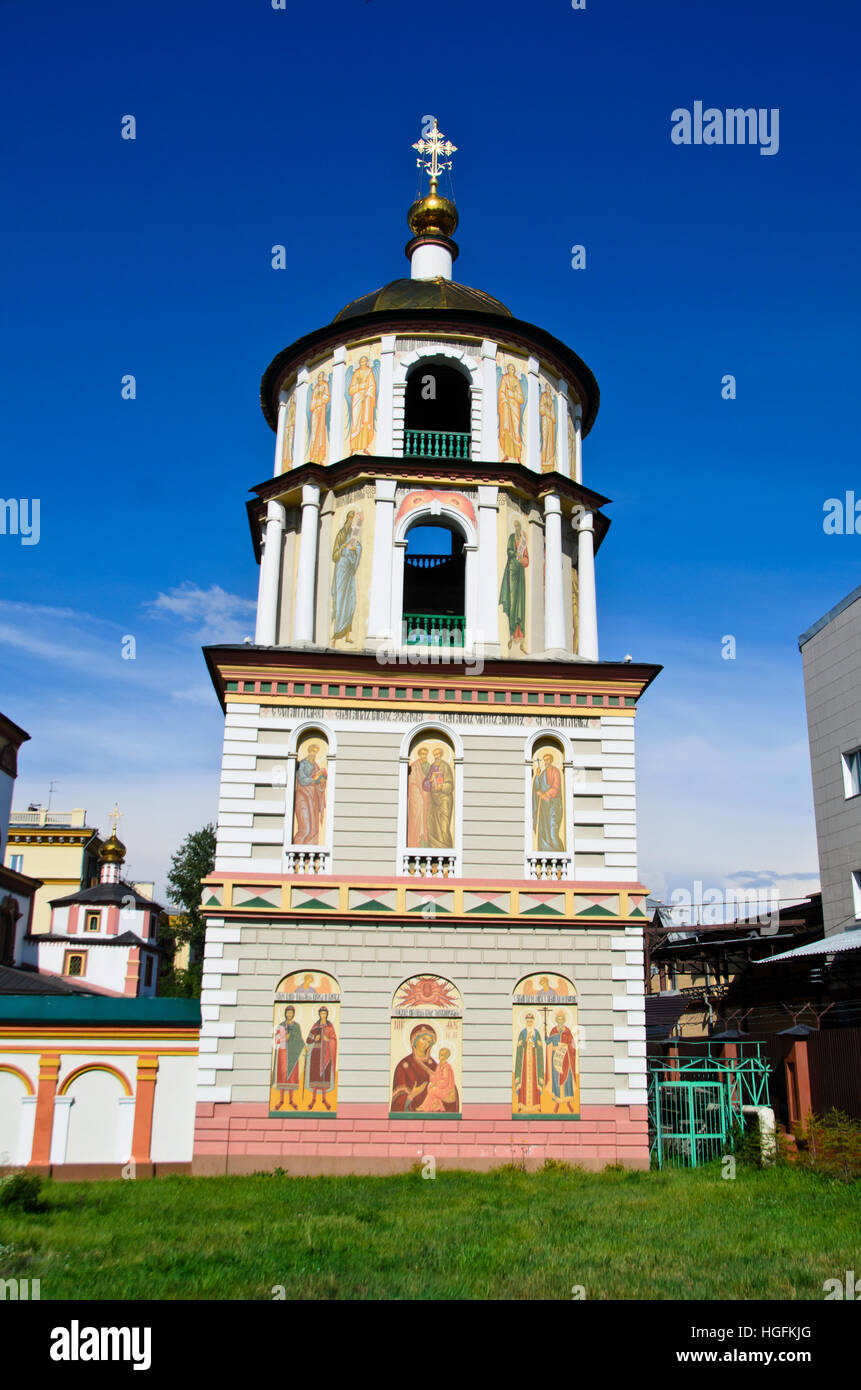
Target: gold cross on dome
434	146
115	817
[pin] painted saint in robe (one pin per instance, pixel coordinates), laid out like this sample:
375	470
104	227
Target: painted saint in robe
442	1089
561	1062
346	554
512	593
287	1063
547	805
321	1048
309	799
418	800
439	785
289	433
510	400
547	412
529	1067
363	404
414	1074
318	449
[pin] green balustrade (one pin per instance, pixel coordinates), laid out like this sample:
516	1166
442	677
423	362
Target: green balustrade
436	444
433	630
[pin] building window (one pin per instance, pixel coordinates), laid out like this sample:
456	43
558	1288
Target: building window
437	416
148	972
434	597
15	863
852	773
856	891
74	963
9	914
92	921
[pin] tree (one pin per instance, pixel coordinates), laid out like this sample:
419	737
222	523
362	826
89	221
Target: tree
193	862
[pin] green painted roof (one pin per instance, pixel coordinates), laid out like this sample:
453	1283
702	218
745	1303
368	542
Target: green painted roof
99	1010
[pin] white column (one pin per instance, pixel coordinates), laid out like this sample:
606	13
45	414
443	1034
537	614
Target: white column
562	430
588	609
487	622
26	1129
471	586
60	1132
279	436
489	451
578	444
266	634
125	1128
380	608
306	575
336	407
554	602
533	417
385	405
300	433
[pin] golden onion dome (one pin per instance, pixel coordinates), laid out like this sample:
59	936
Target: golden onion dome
433	215
113	851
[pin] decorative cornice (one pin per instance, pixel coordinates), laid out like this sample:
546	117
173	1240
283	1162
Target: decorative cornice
410	323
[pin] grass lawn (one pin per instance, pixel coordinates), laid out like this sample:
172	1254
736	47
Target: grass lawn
508	1234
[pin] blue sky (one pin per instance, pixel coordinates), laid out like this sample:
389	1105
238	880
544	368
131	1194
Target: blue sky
257	127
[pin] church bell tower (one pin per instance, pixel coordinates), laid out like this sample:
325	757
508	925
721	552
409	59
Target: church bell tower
425	919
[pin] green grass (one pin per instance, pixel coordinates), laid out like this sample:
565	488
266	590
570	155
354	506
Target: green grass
509	1234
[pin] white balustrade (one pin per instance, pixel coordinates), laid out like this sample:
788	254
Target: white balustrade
549	866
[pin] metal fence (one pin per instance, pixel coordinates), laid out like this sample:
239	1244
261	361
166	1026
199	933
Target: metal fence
697	1098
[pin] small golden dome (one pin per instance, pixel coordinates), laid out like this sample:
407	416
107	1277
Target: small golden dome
113	851
433	215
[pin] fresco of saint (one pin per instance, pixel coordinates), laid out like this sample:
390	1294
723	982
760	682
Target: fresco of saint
547	411
318	449
561	1062
512	593
321	1047
287	1063
547	804
346	554
529	1067
289	433
439	785
362	391
414	1074
309	799
510	399
418	800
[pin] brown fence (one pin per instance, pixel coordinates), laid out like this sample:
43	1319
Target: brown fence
835	1070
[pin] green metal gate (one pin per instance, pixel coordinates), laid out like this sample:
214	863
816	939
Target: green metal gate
697	1099
691	1122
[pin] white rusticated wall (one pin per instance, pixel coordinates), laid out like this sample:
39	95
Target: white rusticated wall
253	809
244	964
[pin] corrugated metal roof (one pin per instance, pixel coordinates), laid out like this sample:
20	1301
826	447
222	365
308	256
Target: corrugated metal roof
830	945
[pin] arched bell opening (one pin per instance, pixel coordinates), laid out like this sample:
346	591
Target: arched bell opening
437	412
434	600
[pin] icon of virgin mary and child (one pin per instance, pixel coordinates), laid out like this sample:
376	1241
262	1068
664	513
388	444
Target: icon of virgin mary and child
420	1085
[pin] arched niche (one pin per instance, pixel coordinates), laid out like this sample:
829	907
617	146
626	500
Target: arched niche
545	1067
548	806
430	802
426	1053
306	1026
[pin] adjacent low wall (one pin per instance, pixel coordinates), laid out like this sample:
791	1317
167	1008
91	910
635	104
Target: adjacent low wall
242	1138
